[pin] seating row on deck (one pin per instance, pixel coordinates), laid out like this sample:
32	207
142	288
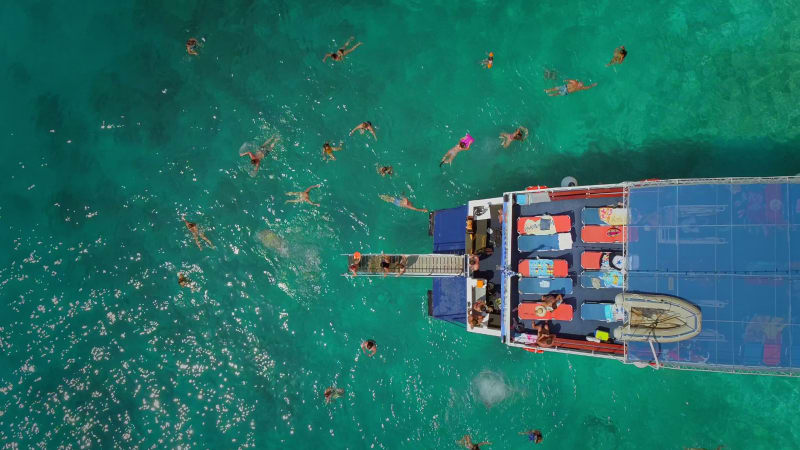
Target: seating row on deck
601	269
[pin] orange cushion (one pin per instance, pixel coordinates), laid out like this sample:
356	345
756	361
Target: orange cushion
591	260
602	233
527	311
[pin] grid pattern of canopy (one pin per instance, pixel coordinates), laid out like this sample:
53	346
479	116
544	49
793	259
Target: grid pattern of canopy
734	251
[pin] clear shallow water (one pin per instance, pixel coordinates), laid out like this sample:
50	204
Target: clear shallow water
101	347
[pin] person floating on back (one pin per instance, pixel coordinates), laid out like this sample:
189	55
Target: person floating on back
301	197
402	202
191	46
619	55
197	233
365	126
266	147
534	436
328	149
339	55
519	135
451	154
369	347
568	87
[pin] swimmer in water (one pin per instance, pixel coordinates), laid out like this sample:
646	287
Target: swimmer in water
467	443
365	126
328	149
301	197
385	170
453	152
402	202
332	393
191	46
534	436
369	347
339	55
619	55
489	61
195	230
266	147
568	87
508	138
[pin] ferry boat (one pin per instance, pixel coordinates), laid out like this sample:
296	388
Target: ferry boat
697	274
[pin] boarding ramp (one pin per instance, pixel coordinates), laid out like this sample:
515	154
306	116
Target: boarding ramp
430	265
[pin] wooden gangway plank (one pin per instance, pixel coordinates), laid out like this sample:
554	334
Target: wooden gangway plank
416	265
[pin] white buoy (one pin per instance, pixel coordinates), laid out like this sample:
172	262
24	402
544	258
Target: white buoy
569	182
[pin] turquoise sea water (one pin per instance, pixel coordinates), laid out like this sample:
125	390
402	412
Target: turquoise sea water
110	133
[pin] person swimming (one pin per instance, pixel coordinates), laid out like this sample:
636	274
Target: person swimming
451	154
489	61
568	87
369	347
303	197
619	55
385	170
197	233
402	202
264	150
365	126
534	436
339	55
332	393
191	46
466	442
519	135
328	149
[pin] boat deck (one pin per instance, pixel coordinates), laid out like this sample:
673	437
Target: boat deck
576	328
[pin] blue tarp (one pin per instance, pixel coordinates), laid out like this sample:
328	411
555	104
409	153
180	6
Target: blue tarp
734	251
449	230
450	299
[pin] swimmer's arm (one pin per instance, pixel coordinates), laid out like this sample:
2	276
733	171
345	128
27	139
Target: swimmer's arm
327	55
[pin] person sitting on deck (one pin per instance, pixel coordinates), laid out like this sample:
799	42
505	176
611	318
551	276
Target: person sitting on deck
474	263
479	307
356	261
551	301
401	265
475	319
544	338
385	263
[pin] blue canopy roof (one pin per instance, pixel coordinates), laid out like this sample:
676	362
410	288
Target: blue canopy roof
734	251
449	230
449	299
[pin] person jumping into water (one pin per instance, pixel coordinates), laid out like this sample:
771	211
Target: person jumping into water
266	147
195	230
467	443
365	126
339	55
568	87
402	202
519	135
619	55
451	154
328	149
534	436
301	197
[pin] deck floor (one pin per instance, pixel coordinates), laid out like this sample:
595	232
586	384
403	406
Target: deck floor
576	328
